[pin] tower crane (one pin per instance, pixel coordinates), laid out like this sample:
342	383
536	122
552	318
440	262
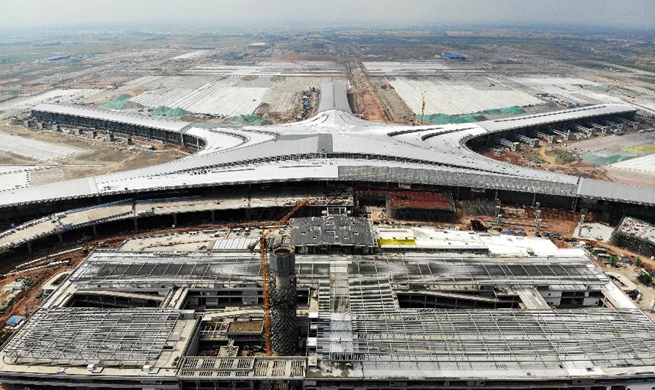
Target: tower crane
263	254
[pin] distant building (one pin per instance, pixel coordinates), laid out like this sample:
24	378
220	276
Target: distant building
59	57
454	56
635	235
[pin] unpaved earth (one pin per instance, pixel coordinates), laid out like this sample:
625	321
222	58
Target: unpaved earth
99	157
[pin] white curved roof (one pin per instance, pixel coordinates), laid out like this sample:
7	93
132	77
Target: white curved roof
113	116
336	145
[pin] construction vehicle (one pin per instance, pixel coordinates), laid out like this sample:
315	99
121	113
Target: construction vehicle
263	254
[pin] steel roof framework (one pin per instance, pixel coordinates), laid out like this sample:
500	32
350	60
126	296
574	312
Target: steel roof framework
81	336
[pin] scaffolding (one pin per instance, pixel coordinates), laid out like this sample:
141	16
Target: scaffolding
142	270
133	269
374	329
455	177
594	337
82	336
480	270
211	368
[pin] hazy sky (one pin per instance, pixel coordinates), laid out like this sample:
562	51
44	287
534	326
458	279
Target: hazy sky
54	13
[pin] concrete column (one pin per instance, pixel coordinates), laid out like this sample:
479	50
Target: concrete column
175	220
534	199
61	237
29	247
213	216
136	224
95	230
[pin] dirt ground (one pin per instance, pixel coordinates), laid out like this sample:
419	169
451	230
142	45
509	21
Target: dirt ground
630	178
631	272
526	158
99	157
530	157
367	103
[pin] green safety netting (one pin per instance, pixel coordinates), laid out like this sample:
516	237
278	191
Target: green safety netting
504	111
441	119
249	119
605	160
1	112
119	102
604	88
167	111
467	118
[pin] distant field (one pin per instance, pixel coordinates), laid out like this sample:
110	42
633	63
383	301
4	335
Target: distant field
571	89
23	150
54	96
221	98
456	98
38	150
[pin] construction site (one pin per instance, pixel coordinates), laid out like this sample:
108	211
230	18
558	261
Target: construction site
322	211
246	312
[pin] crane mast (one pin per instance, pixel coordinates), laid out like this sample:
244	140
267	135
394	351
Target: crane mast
263	254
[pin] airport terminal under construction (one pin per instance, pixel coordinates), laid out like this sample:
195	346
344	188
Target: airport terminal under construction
329	300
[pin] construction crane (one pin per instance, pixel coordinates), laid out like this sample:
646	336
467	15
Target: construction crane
263	254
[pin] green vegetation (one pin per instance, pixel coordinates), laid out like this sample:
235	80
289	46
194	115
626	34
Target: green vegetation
532	156
641	149
629	63
613	260
564	156
645	278
6	60
638	262
591	65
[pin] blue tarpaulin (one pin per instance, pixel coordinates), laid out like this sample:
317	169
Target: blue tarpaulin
14	320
